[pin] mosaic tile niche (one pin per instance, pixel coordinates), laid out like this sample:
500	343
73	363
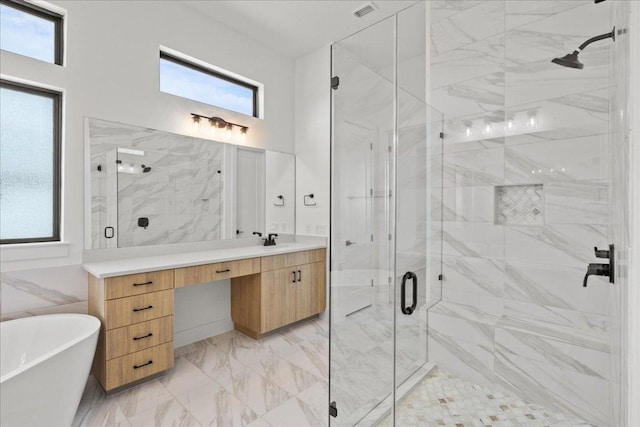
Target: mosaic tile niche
519	204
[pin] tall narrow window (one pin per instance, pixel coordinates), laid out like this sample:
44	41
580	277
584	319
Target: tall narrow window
179	77
29	30
29	164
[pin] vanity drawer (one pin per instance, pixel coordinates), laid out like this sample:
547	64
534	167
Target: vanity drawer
139	336
140	308
212	272
137	284
276	262
141	364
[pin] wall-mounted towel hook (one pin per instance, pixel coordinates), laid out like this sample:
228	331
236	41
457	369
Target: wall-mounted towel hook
281	202
307	197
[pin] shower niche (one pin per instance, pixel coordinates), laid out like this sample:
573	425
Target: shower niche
519	204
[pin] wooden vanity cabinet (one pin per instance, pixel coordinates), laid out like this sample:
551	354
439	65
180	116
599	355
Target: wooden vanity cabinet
136	310
136	333
283	293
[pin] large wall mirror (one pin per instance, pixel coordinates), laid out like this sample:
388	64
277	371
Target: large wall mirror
150	187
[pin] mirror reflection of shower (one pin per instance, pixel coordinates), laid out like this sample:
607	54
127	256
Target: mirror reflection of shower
131	167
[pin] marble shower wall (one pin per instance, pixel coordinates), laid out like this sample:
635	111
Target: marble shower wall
514	313
619	207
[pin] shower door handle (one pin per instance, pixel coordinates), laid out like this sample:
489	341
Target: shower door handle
409	310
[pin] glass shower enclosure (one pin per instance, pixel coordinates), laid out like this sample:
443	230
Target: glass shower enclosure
386	234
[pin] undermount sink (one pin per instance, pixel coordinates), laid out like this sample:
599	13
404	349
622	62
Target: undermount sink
277	246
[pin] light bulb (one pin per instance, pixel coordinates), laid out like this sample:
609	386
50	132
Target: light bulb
487	127
196	123
468	130
532	120
229	130
510	124
243	134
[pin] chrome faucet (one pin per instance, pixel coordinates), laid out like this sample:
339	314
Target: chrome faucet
270	240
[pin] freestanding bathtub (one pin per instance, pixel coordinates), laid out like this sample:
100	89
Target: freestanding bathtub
45	361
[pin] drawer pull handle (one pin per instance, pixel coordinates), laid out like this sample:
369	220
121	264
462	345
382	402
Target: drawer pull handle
144	308
299	276
223	271
150	282
143	337
294	277
144	364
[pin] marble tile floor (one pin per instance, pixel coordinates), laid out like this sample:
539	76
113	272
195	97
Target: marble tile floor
231	380
228	380
442	399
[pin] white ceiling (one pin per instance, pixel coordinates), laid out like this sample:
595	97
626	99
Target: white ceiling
295	27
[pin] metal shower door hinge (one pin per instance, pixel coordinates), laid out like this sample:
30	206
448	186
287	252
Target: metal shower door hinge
333	409
335	82
441	135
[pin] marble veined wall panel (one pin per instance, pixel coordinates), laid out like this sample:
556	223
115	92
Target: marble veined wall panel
514	313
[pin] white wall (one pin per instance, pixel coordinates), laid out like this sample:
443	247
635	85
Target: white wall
111	72
280	180
312	140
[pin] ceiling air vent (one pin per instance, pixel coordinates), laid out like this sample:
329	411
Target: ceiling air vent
364	10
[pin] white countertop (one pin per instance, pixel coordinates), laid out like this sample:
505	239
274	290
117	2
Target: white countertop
119	267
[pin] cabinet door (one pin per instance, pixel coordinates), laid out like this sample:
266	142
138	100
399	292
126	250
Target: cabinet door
319	278
310	290
278	298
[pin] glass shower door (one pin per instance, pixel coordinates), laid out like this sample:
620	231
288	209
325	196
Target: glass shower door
361	345
417	253
385	147
417	233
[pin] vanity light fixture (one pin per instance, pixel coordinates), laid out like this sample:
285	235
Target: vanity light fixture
218	123
510	125
532	118
468	128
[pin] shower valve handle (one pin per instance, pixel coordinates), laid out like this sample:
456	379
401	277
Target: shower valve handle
601	269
